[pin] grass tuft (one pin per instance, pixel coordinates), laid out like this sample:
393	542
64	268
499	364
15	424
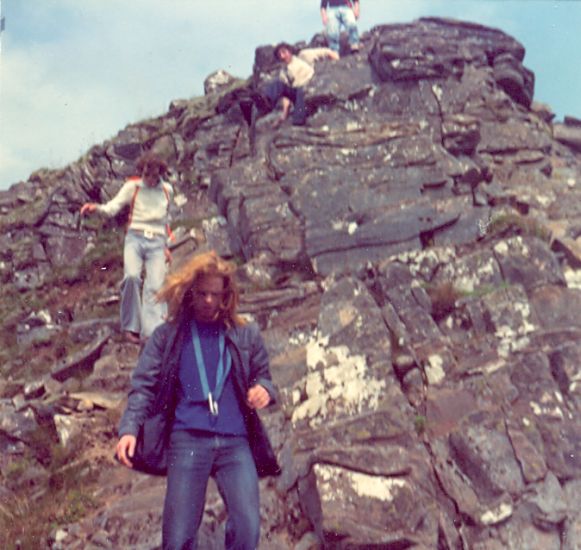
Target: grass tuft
512	222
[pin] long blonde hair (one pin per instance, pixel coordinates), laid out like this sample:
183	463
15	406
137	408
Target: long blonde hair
177	289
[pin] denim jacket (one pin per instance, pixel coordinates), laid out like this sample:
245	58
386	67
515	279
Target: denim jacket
155	381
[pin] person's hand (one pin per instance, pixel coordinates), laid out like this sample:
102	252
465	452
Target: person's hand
125	449
257	397
356	10
324	18
286	105
88	208
167	253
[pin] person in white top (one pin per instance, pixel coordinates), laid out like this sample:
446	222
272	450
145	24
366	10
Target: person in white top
298	71
146	244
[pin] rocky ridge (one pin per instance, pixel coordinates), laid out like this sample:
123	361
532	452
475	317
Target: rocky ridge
412	256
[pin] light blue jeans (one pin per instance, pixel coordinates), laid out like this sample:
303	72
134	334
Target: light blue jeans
337	16
142	314
193	457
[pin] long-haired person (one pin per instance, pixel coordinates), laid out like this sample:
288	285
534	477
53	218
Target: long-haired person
214	370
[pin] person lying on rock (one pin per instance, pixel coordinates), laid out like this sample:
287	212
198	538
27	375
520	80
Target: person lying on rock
146	244
212	369
298	71
337	13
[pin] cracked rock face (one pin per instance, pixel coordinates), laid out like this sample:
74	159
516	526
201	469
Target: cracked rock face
413	258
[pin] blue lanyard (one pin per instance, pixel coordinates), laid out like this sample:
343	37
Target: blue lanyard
221	372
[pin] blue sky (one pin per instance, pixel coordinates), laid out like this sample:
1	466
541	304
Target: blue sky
75	72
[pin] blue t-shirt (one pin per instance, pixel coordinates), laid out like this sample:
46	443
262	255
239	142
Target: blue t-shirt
192	411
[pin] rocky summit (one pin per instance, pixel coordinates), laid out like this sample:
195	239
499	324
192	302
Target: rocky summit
413	257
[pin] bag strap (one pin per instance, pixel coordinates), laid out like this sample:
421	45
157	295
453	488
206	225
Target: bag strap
222	371
132	204
168	230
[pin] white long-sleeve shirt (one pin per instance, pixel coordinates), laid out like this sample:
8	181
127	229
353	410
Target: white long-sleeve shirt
151	205
301	67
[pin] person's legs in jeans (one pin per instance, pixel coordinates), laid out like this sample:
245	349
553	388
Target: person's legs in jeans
237	481
333	28
299	108
277	89
190	461
131	285
152	311
348	20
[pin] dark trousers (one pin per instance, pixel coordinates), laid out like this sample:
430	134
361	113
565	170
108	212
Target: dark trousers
277	89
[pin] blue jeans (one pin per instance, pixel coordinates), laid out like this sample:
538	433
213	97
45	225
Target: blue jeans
337	16
276	89
193	457
137	315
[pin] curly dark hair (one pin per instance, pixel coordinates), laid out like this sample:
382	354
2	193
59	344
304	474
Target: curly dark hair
281	46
